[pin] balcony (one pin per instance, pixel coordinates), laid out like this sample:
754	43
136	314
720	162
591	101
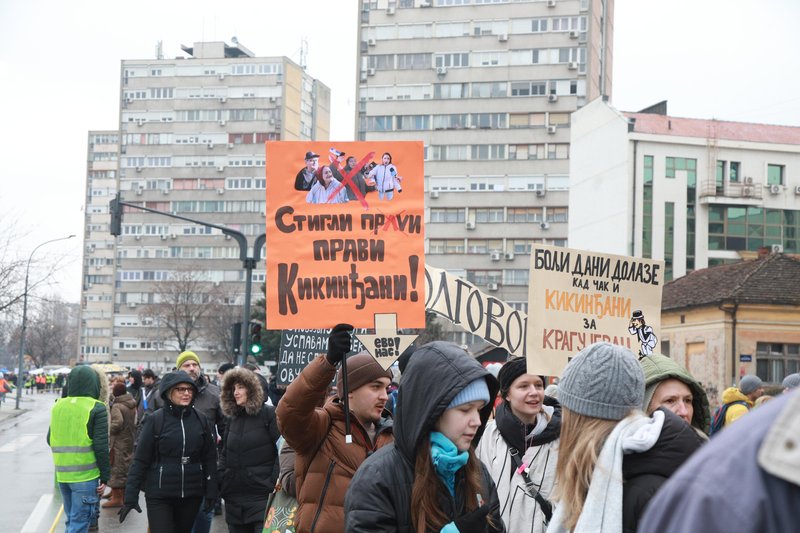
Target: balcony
746	191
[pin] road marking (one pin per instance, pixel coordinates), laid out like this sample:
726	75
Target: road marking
32	524
20	443
57	520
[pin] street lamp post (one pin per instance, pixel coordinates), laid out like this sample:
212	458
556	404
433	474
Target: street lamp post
20	372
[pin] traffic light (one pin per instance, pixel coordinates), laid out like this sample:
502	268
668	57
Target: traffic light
116	217
255	338
236	338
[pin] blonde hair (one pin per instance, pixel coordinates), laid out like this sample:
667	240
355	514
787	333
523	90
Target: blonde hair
582	438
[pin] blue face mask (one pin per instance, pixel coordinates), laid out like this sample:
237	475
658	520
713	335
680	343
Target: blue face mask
447	460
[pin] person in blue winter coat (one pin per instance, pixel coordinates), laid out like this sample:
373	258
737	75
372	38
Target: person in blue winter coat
746	479
430	478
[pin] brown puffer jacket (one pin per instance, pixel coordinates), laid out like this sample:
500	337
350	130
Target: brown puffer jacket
324	464
123	431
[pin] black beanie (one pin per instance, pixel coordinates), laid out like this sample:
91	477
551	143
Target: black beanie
513	369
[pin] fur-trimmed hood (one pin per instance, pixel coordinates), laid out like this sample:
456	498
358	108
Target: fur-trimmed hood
255	393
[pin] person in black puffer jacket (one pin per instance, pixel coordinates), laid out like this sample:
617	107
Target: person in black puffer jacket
430	478
644	473
175	461
249	461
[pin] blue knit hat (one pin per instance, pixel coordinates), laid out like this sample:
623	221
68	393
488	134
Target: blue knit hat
475	390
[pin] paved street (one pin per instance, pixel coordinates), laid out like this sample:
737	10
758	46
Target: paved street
29	499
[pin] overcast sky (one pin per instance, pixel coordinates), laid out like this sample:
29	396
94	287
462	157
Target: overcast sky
60	63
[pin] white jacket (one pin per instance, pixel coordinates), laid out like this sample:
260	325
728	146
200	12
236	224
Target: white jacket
519	510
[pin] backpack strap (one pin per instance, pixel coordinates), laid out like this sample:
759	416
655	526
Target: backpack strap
530	488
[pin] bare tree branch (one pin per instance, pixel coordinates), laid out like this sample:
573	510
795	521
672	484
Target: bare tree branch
184	306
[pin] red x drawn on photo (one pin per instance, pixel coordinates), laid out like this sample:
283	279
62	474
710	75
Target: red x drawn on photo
347	178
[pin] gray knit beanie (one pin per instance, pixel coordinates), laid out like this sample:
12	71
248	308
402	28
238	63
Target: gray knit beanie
791	381
750	383
602	381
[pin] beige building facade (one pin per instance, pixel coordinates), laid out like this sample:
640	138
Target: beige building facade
191	142
731	320
489	88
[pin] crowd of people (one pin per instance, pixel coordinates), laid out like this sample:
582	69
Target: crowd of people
618	444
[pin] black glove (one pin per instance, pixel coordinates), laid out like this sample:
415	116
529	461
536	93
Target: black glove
126	508
339	343
209	505
474	521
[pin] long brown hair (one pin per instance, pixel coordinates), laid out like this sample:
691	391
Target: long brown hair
582	438
426	511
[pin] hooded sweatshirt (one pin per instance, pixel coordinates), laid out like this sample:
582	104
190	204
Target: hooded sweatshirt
85	381
658	368
379	497
737	410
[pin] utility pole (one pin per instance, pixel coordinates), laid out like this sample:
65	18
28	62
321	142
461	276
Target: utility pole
248	263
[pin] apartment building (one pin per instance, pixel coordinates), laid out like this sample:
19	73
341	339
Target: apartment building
97	297
693	192
489	86
191	143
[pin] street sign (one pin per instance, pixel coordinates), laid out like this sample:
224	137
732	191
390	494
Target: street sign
745	358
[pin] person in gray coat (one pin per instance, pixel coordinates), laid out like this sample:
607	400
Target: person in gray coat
747	479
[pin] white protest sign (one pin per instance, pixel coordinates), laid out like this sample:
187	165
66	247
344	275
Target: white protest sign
577	298
386	344
462	303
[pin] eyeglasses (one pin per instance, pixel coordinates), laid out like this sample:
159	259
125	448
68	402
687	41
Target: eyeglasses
183	390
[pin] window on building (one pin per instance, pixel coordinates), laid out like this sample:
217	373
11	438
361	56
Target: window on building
665	347
489	214
452	60
488	151
451	152
775	361
450	122
669	248
775	175
484	277
528	88
450	90
647	208
719	181
447	215
492	89
738	228
377	123
484	246
522	215
556	214
489	120
413	61
733	173
446	246
413	122
520	246
515	276
381	61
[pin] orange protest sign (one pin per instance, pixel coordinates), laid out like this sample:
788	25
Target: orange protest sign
345	236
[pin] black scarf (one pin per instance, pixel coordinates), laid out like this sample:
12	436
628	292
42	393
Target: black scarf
514	430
